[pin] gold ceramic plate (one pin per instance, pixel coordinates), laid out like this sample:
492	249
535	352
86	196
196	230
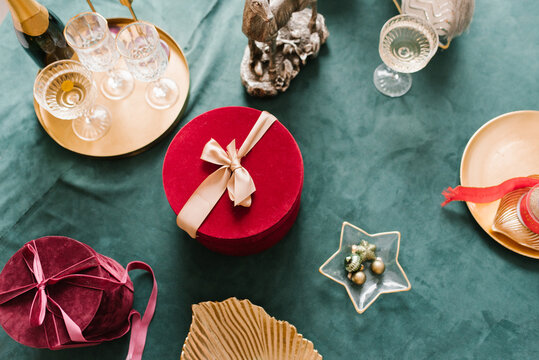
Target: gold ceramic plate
503	148
135	125
236	329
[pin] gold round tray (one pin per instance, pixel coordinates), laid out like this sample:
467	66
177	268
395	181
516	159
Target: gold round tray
135	125
503	148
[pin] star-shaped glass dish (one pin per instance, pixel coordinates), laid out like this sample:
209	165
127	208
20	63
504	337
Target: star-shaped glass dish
387	248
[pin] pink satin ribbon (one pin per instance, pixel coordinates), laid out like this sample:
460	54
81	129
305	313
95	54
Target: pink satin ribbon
230	176
139	326
43	302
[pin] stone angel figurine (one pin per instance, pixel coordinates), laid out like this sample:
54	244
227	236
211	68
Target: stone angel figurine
282	35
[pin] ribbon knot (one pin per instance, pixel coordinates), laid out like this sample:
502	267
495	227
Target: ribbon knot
231	176
235	163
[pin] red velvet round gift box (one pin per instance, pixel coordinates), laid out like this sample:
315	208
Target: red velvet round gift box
274	163
101	315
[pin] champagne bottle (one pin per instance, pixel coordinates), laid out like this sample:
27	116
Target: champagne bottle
39	31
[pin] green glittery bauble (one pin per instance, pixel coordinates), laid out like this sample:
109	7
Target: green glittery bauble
352	263
366	250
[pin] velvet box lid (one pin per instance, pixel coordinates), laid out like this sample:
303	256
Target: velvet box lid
274	163
87	307
56	292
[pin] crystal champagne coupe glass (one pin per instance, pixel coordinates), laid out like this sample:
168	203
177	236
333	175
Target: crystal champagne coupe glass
66	89
407	43
141	48
89	35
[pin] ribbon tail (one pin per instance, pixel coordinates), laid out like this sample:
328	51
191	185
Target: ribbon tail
240	187
73	330
486	194
200	204
134	352
139	326
246	202
450	194
38	308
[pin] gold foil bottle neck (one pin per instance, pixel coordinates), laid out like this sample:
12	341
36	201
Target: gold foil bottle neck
29	16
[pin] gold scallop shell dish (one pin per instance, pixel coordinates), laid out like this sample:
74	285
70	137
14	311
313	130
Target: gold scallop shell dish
238	330
508	219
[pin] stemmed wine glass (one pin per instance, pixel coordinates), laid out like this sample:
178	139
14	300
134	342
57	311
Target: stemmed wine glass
141	48
407	43
66	89
89	35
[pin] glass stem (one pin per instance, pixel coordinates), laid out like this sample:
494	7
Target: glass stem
159	89
116	80
86	116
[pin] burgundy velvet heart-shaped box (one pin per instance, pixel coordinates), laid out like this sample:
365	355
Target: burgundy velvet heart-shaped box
274	163
56	292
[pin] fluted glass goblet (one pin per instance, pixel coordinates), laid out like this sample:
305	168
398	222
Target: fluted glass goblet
407	43
442	14
89	35
66	89
140	46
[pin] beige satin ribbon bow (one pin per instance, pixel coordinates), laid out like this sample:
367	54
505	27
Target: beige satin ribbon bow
231	175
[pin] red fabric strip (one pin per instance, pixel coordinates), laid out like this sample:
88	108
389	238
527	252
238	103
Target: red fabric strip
486	194
528	218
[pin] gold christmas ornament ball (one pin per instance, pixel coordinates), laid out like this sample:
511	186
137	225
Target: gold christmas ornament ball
378	267
359	278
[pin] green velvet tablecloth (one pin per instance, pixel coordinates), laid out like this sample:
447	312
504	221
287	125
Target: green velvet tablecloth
377	162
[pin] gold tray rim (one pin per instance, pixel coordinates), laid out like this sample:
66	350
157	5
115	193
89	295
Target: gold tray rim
124	21
500	238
